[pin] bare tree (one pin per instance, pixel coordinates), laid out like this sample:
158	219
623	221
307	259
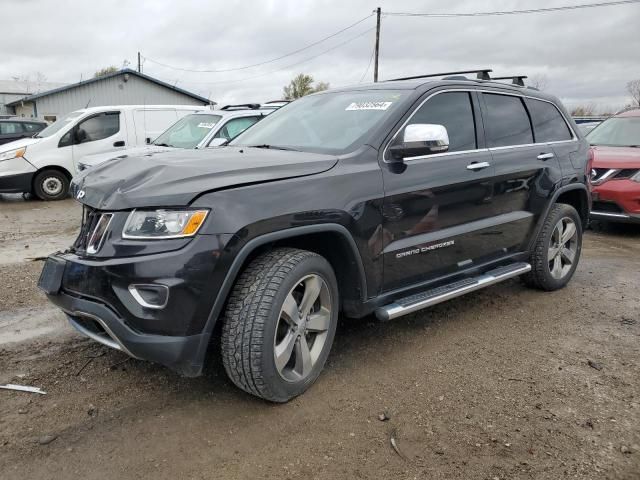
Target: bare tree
539	81
633	87
302	85
583	110
105	71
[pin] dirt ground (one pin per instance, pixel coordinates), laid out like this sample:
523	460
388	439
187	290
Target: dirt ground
506	383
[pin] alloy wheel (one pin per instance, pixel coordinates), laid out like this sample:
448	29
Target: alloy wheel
302	328
563	248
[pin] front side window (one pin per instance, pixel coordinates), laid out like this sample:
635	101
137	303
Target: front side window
235	127
32	127
508	122
98	127
331	122
454	111
616	132
548	124
187	132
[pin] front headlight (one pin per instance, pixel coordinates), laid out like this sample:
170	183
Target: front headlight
162	224
13	154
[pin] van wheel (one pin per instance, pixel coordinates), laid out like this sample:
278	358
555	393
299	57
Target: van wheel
279	323
557	249
51	185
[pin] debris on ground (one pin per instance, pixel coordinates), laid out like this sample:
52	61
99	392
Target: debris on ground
383	417
46	439
596	365
23	388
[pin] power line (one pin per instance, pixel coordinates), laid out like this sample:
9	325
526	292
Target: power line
368	65
509	12
351	39
245	67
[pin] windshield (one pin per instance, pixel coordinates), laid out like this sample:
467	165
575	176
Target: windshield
187	132
616	132
59	125
332	123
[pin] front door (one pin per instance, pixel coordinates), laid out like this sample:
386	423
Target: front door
438	208
100	133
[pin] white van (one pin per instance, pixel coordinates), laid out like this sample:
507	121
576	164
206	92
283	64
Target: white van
44	164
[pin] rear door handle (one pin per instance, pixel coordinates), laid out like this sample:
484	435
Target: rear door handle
119	143
546	156
478	165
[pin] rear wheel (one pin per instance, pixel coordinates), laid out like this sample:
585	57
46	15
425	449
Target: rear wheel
279	323
51	185
556	253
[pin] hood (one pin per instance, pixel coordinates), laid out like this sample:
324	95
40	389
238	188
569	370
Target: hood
98	158
23	142
616	157
175	178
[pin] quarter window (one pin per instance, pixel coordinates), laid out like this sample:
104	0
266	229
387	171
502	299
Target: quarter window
508	122
98	127
454	111
548	124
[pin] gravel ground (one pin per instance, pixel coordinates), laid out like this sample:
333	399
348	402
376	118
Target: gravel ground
505	383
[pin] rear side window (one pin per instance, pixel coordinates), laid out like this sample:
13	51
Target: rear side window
8	128
454	111
235	127
548	124
508	122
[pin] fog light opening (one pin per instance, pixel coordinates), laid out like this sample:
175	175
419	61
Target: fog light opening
150	295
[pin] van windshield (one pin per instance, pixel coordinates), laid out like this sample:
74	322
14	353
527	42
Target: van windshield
187	132
331	122
59	125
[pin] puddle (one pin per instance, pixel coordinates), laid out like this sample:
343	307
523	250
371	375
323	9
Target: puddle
26	324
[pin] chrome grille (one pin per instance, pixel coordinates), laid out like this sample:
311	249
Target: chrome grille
92	231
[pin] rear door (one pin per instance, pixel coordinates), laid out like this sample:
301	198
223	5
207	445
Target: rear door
437	206
526	171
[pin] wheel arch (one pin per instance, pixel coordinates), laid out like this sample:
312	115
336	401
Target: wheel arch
50	167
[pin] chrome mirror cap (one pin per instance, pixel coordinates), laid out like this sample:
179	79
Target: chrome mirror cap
428	135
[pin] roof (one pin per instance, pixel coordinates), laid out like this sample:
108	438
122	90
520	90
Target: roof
21	120
632	112
20	87
105	77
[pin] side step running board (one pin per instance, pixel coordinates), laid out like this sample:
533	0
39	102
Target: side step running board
431	297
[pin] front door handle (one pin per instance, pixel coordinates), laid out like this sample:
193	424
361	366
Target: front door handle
478	165
119	143
546	156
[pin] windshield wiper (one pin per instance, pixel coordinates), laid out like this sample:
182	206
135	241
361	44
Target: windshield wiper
274	147
163	145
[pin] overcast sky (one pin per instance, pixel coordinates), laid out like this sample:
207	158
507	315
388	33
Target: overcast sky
587	55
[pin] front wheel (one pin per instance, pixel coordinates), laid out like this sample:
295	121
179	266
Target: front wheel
51	185
557	249
279	323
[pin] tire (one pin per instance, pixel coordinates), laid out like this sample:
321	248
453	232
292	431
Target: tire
51	185
258	335
554	244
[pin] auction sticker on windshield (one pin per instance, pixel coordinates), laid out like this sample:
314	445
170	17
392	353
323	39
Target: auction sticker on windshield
369	106
206	125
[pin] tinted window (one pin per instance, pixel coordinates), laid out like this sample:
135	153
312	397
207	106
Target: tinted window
98	127
9	128
548	124
33	127
454	111
235	127
507	122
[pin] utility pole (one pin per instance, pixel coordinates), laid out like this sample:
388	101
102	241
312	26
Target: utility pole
139	65
377	50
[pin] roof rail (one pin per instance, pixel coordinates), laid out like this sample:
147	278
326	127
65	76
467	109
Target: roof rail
515	79
251	106
482	74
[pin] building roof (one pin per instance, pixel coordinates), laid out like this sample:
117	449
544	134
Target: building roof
104	77
21	87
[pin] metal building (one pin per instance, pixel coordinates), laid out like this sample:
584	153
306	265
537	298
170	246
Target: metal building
125	87
12	90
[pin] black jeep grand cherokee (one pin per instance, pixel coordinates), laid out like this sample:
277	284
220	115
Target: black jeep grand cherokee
383	198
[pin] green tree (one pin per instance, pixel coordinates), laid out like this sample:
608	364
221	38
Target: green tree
105	71
302	85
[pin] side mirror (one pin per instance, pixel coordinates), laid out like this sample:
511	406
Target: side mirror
218	142
421	139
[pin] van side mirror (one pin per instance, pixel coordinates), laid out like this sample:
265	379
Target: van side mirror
420	139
